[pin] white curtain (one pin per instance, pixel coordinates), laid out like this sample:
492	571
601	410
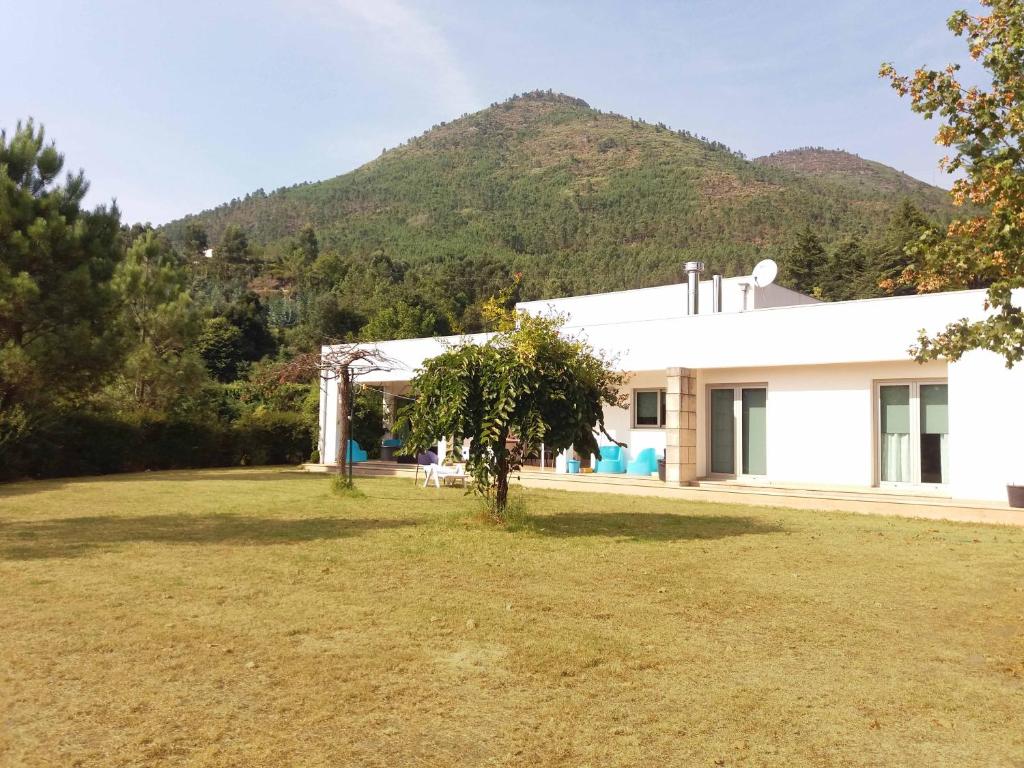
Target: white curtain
896	457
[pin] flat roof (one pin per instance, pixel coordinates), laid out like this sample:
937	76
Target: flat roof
825	333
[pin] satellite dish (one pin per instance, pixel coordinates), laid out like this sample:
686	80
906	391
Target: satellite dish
765	272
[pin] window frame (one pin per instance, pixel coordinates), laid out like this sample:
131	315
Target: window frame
662	411
915	434
737	422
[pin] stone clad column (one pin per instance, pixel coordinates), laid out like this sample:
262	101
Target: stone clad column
680	427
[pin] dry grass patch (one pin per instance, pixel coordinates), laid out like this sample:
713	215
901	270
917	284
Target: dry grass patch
252	617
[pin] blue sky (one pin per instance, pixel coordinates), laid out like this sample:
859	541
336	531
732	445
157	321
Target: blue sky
173	107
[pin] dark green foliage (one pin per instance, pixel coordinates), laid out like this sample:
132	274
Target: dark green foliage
404	321
843	276
92	443
158	324
367	420
231	256
220	346
194	241
274	438
805	263
250	316
56	262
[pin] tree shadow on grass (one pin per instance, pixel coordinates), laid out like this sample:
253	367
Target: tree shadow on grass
282	472
648	526
77	536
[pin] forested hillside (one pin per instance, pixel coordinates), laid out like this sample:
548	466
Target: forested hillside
125	347
574	199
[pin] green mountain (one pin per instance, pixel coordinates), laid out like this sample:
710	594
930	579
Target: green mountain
857	175
576	199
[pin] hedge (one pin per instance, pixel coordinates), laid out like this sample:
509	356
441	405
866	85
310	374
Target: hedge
84	443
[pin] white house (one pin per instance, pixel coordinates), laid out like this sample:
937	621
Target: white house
766	385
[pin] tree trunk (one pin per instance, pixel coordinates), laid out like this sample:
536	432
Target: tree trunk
501	490
344	395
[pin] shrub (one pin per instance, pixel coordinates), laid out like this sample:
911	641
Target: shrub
273	437
67	444
169	443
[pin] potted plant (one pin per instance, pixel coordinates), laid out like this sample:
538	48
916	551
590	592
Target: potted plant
572	465
1015	495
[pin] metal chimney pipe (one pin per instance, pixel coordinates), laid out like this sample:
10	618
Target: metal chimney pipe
693	270
716	293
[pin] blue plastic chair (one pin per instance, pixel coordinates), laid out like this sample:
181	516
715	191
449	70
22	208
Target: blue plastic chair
645	463
611	461
357	453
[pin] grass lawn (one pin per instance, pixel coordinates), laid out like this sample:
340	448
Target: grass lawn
251	618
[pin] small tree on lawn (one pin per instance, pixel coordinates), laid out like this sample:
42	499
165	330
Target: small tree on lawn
986	127
526	385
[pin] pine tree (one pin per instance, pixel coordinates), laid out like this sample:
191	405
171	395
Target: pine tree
160	325
906	227
805	262
56	261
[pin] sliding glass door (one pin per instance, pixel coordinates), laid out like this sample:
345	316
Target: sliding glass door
742	412
913	433
723	432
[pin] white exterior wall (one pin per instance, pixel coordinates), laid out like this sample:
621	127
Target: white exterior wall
329	420
820	419
986	426
619	421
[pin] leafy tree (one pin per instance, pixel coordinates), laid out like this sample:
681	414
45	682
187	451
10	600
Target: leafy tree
252	318
307	245
232	256
194	241
401	320
297	260
56	262
220	346
986	128
324	317
526	385
160	324
234	245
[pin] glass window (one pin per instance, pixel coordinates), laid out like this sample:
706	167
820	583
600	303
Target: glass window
894	407
755	436
647	408
913	440
723	432
934	433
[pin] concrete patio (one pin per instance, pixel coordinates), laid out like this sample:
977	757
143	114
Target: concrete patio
874	501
